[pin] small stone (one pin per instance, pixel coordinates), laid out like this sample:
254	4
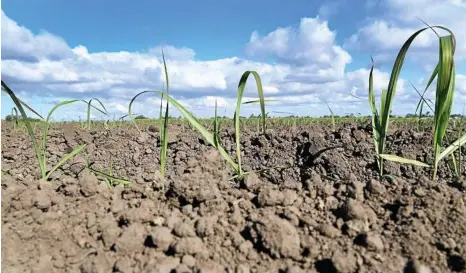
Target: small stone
88	184
355	210
205	226
162	237
269	197
373	242
279	236
189	245
354	227
188	260
289	196
329	231
131	240
356	188
158	221
184	229
344	262
419	192
245	247
252	182
375	187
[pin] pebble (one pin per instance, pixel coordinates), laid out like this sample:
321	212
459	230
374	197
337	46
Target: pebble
329	231
419	192
375	187
188	260
373	242
355	210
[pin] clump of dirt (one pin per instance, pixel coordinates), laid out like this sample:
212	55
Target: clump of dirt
326	210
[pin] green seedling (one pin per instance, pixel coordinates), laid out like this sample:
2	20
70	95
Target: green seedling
89	105
445	74
163	122
14	114
110	180
332	116
41	152
210	138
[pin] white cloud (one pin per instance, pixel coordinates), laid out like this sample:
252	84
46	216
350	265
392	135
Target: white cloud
386	34
310	69
20	43
312	46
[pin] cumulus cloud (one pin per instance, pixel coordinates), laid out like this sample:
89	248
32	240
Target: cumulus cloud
309	69
19	43
312	45
385	34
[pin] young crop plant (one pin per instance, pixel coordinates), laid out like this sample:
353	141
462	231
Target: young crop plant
41	152
445	74
110	180
14	114
212	139
164	121
332	116
89	105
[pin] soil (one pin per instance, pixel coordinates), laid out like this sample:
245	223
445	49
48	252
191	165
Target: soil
326	212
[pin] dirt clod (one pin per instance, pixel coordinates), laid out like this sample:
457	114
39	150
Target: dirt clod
328	212
278	236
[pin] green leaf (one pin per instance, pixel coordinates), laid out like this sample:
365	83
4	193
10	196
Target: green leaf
453	147
444	94
164	150
110	177
64	159
35	145
403	160
47	125
241	86
193	121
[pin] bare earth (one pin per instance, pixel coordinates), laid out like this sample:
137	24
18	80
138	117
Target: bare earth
326	213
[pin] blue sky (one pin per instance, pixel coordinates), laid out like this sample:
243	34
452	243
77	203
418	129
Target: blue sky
306	52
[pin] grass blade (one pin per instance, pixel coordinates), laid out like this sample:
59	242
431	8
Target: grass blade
241	86
453	147
216	128
35	145
193	121
164	150
403	160
47	125
89	105
110	177
444	95
331	115
64	159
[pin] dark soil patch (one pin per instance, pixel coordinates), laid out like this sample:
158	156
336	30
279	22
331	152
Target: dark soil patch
327	212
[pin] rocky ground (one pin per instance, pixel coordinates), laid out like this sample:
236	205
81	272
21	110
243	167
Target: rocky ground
326	212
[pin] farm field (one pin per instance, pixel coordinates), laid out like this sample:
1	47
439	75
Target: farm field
319	206
259	194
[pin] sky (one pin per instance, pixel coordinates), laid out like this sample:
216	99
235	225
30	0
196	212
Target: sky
307	53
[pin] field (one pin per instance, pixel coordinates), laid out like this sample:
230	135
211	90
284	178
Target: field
321	212
263	194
